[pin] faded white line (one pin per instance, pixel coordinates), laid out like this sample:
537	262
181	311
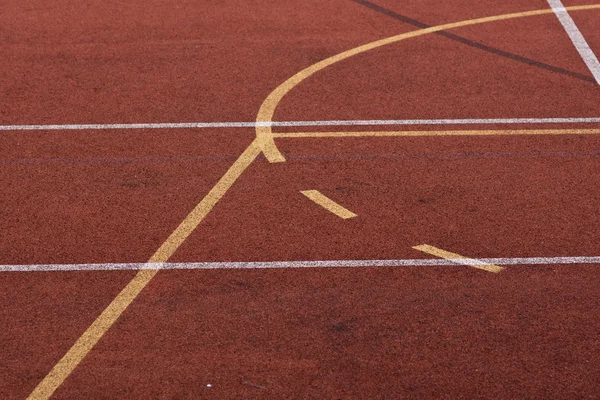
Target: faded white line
577	38
370	122
297	264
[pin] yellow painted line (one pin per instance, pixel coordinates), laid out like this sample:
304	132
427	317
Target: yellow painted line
265	114
425	248
109	316
328	204
440	133
189	224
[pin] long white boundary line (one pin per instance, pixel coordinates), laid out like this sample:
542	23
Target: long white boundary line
372	122
577	38
299	264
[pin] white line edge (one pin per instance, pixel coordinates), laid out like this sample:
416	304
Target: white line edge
298	264
375	122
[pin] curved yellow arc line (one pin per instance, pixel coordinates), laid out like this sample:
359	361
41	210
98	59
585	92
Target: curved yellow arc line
264	134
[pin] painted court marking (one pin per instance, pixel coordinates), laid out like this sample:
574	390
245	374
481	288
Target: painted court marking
439	133
263	143
109	316
577	38
239	265
355	122
267	110
471	262
328	204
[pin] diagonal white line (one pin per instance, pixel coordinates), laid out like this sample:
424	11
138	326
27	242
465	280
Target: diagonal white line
298	264
577	38
368	122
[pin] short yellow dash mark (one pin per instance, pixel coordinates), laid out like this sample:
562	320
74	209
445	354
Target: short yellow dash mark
328	204
425	248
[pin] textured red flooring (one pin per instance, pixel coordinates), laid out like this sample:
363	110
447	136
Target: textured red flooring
368	333
108	62
434	77
110	196
114	196
42	315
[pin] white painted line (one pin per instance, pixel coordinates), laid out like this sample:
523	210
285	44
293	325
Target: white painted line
160	125
372	122
298	264
577	38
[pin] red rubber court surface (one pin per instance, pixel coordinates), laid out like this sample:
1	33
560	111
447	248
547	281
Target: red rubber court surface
480	140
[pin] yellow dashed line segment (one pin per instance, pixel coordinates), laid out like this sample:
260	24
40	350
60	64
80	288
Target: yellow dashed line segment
458	259
328	204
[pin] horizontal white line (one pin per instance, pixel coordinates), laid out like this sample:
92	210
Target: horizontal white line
373	122
298	264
